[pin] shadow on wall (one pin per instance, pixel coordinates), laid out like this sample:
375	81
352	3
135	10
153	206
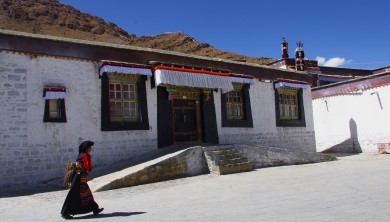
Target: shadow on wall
350	145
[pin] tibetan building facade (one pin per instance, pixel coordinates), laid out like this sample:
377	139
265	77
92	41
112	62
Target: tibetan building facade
56	92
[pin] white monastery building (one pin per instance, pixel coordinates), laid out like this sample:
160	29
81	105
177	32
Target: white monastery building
56	92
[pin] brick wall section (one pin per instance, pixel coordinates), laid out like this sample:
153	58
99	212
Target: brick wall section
264	131
294	140
15	158
32	151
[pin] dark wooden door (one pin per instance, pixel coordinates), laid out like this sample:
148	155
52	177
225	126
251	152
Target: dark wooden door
185	120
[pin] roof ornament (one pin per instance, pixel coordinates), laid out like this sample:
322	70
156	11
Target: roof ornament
299	44
284	48
299	57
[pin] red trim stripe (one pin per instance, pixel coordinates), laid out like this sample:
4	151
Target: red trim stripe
55	89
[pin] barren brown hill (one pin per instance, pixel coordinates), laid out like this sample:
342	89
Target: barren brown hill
50	17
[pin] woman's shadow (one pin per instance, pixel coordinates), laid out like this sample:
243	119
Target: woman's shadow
113	214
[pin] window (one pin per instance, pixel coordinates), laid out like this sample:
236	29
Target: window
54	108
288	104
236	107
54	104
124	102
289	107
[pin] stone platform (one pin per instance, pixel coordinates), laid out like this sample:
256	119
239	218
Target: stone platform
192	161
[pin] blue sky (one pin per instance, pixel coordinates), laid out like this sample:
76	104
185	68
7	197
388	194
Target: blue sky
349	34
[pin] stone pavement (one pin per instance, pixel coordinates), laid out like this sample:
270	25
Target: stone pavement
353	188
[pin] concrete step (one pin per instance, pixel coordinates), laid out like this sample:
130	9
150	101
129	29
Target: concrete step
226	161
236	168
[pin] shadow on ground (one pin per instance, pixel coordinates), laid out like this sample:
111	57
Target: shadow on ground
107	215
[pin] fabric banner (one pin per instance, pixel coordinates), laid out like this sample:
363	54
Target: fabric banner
125	70
289	84
54	95
192	79
242	80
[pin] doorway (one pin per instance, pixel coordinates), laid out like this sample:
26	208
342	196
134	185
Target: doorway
185	115
185	121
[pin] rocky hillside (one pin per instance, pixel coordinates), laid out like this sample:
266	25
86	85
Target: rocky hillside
50	17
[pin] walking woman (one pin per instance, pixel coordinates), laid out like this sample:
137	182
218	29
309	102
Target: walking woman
79	199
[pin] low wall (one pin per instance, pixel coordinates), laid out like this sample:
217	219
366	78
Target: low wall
188	162
191	162
272	156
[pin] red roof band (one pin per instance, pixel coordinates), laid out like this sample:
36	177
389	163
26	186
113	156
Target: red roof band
54	89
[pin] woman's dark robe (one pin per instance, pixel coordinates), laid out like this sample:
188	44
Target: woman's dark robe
79	199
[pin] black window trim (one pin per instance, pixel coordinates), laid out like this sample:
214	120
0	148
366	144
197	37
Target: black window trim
247	122
107	125
301	122
61	104
46	116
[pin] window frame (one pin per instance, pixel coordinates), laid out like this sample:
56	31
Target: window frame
237	94
60	105
300	122
122	99
247	121
289	106
142	123
61	110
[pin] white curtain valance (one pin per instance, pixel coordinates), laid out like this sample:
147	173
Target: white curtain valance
290	84
242	80
54	95
125	70
191	79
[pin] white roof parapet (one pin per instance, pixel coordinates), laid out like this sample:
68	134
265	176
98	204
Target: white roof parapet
125	70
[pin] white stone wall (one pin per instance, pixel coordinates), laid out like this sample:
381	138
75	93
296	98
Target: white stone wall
353	122
31	150
264	131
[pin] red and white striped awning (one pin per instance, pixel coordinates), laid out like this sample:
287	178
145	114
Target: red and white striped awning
198	78
124	68
240	78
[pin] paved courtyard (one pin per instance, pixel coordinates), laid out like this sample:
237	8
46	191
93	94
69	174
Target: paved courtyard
353	188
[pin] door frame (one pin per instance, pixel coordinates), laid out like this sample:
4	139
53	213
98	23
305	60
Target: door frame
208	130
188	93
